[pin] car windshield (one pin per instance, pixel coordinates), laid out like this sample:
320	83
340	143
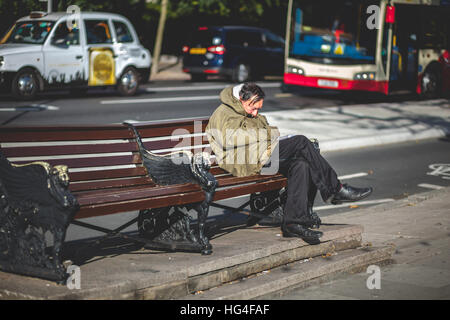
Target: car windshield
332	32
31	32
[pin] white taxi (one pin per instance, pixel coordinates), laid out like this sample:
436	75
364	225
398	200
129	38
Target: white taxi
55	50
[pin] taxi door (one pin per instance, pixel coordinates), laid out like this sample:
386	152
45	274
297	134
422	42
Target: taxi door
101	56
65	58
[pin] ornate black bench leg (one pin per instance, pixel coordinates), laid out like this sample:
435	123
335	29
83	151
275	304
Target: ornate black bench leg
34	202
202	212
177	167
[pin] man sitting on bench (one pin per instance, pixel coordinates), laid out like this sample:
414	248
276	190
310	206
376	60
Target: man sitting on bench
245	144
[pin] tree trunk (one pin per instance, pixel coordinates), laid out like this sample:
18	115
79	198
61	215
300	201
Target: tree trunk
159	37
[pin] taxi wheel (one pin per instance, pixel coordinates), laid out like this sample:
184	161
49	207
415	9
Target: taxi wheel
128	82
25	84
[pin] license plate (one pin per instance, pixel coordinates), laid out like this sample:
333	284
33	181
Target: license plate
197	51
327	83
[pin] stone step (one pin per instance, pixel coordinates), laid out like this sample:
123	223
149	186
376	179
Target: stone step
272	283
118	270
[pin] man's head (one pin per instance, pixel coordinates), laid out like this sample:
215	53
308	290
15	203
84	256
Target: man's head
252	97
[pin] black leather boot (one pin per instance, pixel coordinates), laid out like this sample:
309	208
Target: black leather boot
274	218
348	194
314	217
297	230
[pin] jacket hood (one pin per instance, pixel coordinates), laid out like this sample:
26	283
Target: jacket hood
227	97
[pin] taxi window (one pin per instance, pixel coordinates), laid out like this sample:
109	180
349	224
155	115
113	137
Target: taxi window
97	31
122	32
30	32
64	35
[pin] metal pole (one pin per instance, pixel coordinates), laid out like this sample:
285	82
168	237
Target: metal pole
49	6
288	33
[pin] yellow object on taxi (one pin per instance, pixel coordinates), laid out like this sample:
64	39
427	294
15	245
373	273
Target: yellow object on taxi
101	67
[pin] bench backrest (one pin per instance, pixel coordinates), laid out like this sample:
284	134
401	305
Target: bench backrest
104	160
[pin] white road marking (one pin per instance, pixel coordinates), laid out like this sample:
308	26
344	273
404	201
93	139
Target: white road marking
183	88
204	87
357	203
430	186
151	100
27	108
354	175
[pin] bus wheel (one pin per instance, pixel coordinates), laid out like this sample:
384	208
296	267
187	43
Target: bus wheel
128	82
431	84
25	84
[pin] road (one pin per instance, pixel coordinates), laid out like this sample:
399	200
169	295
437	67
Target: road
395	171
161	100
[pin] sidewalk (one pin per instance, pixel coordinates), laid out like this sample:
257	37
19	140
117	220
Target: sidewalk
419	227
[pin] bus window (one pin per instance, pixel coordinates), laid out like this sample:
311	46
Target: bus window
433	30
332	32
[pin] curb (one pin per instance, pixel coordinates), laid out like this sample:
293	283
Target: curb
300	273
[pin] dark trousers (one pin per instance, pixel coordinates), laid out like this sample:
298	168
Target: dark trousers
306	171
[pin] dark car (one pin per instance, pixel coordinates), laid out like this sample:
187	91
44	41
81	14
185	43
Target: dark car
240	53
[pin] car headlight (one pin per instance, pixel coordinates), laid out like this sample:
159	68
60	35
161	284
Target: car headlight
296	70
2	61
365	76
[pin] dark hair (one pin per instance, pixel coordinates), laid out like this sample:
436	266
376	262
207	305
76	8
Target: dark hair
249	90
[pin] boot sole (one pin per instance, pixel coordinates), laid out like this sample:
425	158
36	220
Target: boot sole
288	234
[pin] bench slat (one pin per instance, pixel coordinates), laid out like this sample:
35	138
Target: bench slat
251	188
179	142
231	180
107	174
174	199
92	161
136	205
170	129
46	134
108	184
133	193
69	149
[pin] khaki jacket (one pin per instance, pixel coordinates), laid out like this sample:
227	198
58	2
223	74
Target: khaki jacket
242	144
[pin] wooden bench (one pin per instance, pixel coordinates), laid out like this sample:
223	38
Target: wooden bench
106	175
